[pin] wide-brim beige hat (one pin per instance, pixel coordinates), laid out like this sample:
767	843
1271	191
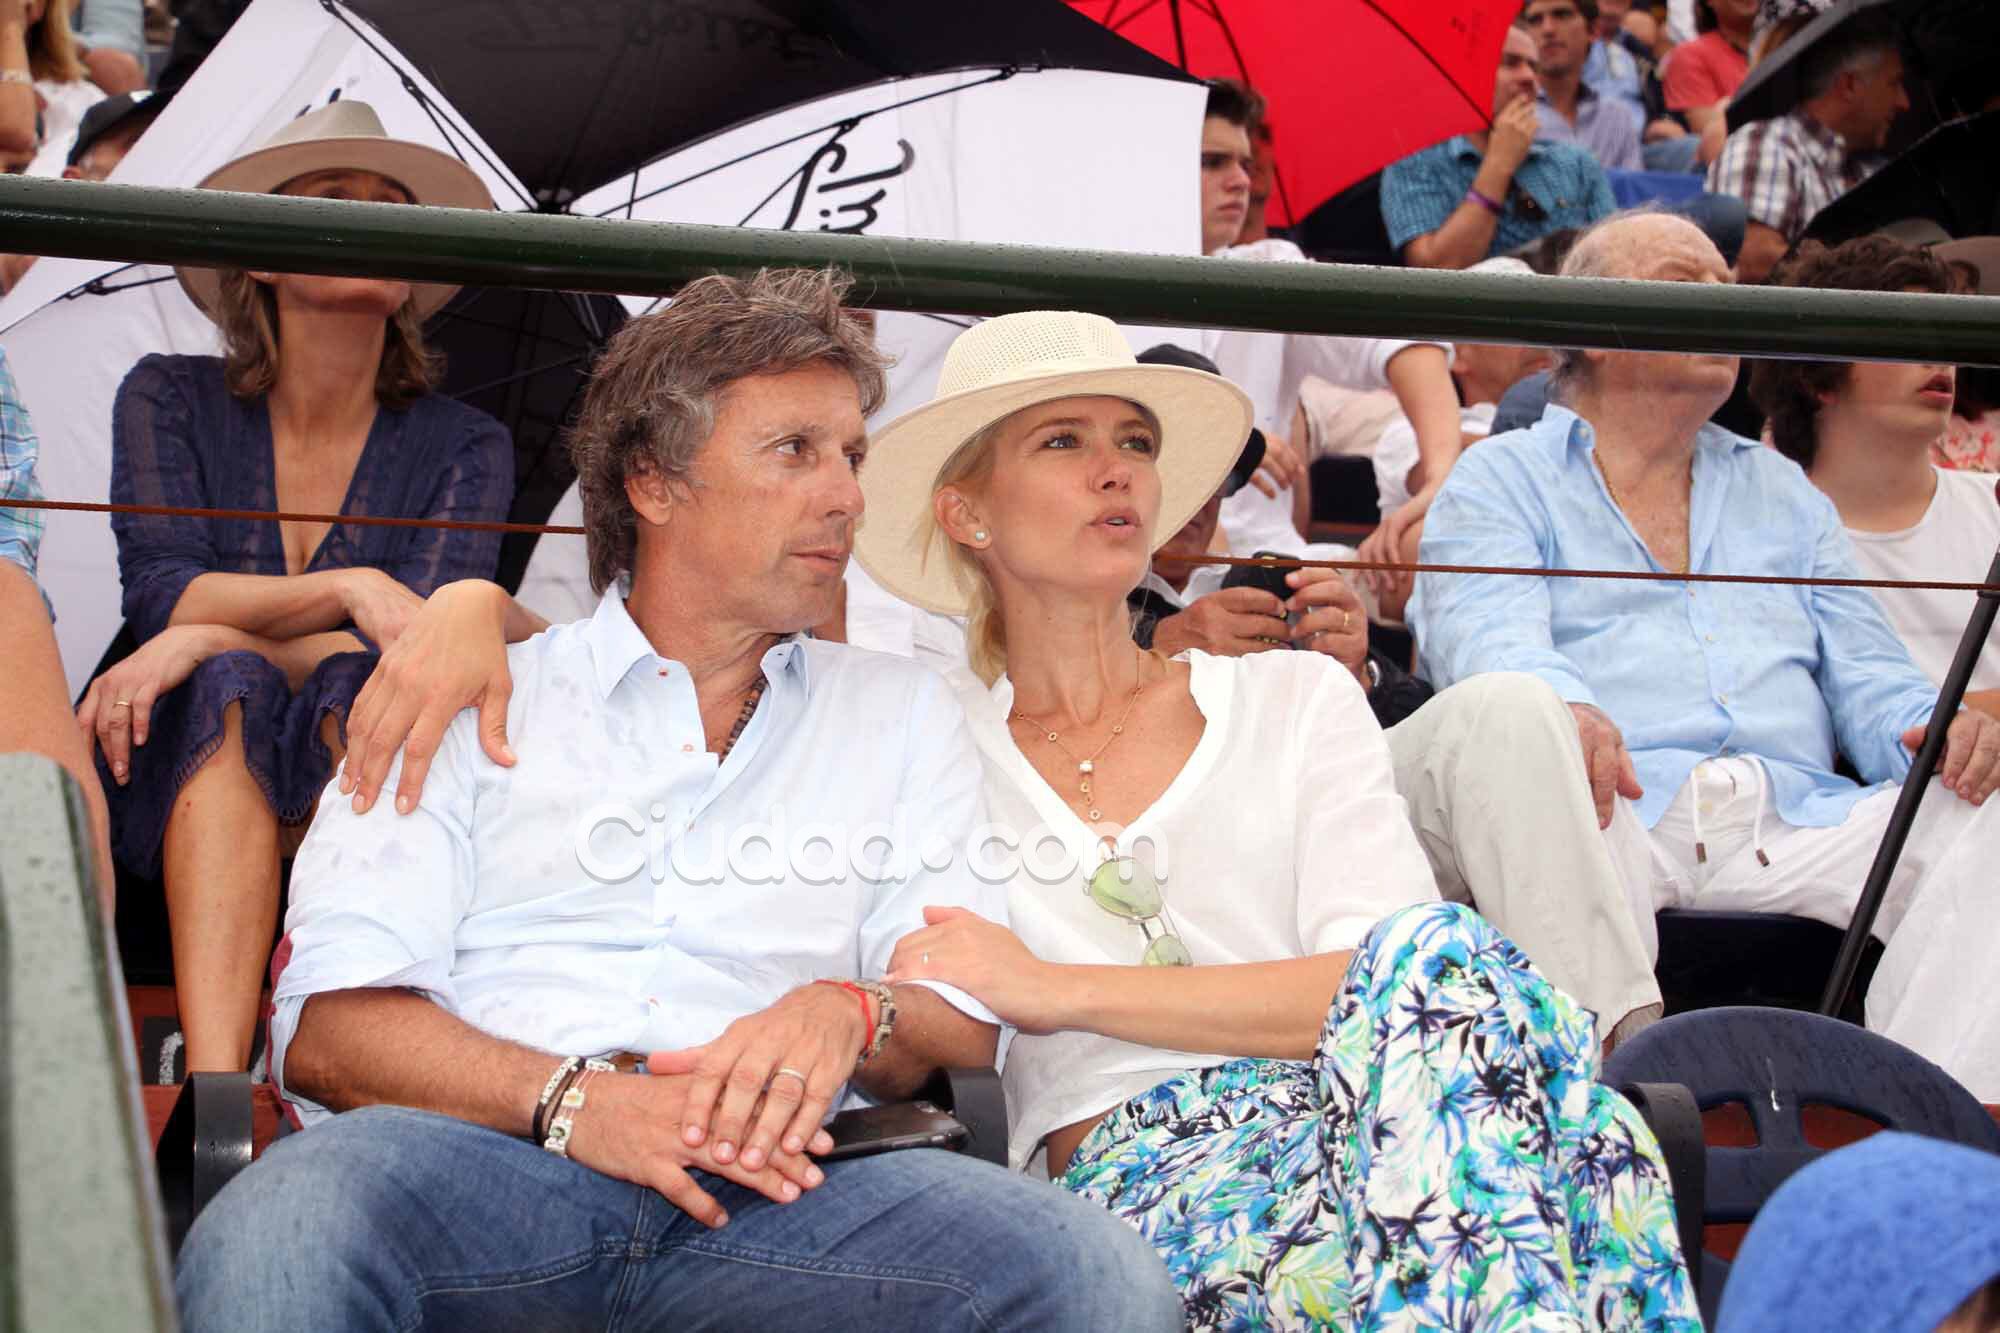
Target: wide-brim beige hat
344	136
995	369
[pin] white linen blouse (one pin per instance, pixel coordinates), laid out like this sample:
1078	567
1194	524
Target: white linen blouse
1283	836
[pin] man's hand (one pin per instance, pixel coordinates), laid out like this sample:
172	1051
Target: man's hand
1331	619
1605	760
1385	544
1971	764
770	1074
451	656
631	1126
1281	469
1513	134
1228	622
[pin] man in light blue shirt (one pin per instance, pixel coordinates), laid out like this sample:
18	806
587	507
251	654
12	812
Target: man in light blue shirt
582	1012
1711	713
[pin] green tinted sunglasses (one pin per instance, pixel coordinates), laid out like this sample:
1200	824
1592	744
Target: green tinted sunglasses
1124	887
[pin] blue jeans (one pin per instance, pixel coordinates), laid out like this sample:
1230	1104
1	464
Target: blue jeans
388	1218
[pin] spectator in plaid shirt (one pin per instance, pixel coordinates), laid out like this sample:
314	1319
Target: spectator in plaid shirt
1789	167
37	717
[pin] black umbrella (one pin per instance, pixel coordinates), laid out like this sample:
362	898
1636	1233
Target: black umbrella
572	94
1948	177
522	357
1777	84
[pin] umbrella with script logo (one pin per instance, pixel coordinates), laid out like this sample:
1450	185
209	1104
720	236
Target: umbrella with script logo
885	117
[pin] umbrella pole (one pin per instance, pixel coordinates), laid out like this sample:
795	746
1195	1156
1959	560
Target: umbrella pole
1950	697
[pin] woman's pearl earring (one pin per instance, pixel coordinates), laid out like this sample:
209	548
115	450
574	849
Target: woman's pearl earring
980	535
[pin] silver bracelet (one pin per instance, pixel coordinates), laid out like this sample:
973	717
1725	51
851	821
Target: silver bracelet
20	76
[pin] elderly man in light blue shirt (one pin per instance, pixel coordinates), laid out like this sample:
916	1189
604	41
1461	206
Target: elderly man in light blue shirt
581	1012
1711	714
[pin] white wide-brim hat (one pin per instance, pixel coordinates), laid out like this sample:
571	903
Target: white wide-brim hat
344	136
995	369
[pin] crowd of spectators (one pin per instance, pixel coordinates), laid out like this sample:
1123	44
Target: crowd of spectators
1483	830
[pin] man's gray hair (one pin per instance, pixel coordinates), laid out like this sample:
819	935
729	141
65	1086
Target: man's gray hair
653	396
1862	42
1594	255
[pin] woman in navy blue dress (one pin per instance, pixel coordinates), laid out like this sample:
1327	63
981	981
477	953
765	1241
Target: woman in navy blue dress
217	736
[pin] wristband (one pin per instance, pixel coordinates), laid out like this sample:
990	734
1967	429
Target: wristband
569	1103
866	1001
550	1091
1492	206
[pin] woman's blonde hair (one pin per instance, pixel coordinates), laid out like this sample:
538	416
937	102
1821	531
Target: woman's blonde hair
246	311
967	468
52	46
985	631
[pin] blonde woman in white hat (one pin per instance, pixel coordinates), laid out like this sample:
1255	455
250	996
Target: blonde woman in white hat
1396	1121
217	734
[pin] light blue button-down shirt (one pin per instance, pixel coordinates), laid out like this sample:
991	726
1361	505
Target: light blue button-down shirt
1688	671
617	889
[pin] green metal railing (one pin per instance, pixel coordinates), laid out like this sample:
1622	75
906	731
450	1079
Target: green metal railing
143	224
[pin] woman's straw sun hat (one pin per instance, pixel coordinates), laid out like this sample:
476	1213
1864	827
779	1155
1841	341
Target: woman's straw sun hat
344	136
995	369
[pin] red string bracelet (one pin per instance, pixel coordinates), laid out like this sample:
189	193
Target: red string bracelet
867	1002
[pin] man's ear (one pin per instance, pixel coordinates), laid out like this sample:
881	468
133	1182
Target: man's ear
651	494
959	518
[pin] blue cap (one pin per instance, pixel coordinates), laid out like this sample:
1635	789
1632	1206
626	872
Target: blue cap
1890	1235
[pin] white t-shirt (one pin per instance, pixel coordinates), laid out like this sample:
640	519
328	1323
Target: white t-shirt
1396	453
62	112
1954	541
1283	836
1270	367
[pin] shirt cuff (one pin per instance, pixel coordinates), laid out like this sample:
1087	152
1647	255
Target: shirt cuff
972	1008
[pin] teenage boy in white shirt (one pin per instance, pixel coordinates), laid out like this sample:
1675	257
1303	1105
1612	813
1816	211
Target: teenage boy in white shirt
1863	433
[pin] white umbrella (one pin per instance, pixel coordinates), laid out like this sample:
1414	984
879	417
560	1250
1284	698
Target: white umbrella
1055	157
1052	157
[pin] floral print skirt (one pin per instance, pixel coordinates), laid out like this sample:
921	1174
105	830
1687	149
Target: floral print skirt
1447	1160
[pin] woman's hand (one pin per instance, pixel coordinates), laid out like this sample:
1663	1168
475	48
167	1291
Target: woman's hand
379	606
451	656
962	948
117	710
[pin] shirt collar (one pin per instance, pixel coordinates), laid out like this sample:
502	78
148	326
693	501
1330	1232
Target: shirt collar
1821	142
1579	436
1584	93
617	644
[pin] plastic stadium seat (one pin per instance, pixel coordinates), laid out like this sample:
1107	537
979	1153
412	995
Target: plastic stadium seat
1782	1069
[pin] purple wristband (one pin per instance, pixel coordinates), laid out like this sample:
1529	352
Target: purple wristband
1492	206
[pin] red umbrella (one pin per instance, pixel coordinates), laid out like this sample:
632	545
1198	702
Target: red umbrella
1352	85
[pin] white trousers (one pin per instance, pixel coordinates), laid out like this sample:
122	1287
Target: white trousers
1493	775
1940	921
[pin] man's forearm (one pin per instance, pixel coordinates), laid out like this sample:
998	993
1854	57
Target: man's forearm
1762	248
931	1034
395	1047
